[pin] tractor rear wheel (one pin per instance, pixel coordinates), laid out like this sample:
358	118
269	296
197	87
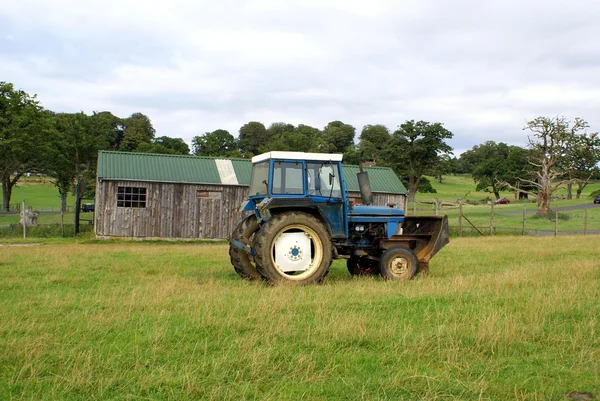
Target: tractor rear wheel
362	266
398	263
293	247
240	259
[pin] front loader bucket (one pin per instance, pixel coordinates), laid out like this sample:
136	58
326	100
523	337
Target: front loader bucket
425	235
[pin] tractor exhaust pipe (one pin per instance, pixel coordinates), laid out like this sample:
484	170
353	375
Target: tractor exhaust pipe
364	185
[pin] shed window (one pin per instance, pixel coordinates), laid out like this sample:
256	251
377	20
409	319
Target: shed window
131	197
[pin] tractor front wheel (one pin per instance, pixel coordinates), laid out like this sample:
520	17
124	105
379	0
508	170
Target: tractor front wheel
398	263
240	259
293	247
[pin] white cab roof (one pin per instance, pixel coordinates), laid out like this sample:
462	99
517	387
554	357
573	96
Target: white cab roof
298	156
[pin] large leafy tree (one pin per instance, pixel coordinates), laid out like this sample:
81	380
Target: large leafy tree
217	143
165	145
338	137
373	140
23	128
497	166
251	136
109	126
303	138
580	161
549	140
73	155
137	129
414	149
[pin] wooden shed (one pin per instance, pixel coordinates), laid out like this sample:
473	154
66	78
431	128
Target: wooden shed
144	195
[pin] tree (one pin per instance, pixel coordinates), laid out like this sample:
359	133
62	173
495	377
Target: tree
216	143
23	124
303	138
338	137
251	136
446	166
165	145
549	140
137	129
580	161
72	158
108	126
416	148
497	166
373	140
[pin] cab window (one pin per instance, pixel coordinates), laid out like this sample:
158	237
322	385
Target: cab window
323	180
287	178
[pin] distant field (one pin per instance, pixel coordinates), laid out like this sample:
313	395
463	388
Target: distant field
42	195
455	187
497	319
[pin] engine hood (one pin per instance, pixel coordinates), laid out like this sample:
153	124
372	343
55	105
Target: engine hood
375	211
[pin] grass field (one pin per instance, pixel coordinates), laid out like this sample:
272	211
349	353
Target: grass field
497	319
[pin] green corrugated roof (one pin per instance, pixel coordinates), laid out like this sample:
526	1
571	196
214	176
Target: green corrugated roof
203	170
382	179
155	167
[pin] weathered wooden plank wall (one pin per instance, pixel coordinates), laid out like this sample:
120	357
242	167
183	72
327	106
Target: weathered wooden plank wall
172	210
182	210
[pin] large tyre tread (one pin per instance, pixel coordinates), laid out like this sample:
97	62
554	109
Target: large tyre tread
239	258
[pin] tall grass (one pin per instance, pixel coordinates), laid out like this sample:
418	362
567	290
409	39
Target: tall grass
497	318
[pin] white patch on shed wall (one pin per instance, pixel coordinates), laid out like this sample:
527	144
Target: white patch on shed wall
226	172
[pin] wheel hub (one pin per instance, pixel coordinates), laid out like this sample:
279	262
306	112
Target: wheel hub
399	266
292	252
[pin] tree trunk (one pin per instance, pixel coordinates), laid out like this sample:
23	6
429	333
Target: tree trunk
63	201
497	194
413	183
569	190
543	202
6	193
580	187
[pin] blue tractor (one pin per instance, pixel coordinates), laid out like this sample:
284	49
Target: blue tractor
302	219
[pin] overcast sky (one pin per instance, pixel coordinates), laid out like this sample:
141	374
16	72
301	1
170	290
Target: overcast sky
482	68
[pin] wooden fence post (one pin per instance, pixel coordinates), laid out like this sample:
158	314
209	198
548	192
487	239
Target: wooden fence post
437	206
585	221
460	215
492	219
524	217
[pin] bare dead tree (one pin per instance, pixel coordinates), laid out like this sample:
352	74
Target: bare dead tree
549	141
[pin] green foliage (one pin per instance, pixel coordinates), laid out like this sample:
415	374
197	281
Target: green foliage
165	145
338	137
137	129
496	166
105	124
216	143
286	137
251	136
23	126
415	149
373	140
